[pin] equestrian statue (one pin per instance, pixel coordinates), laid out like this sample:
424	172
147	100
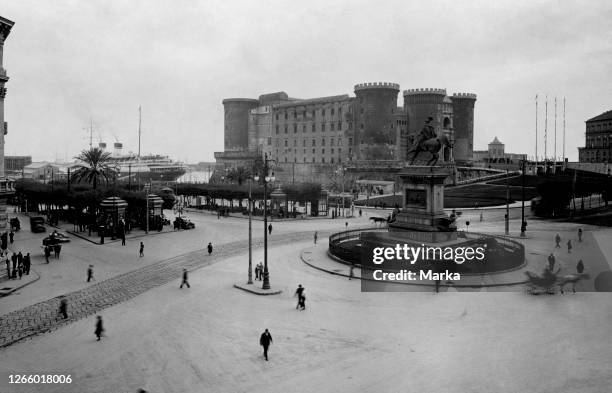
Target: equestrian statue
428	141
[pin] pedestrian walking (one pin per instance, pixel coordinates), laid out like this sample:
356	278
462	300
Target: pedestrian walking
579	235
123	238
14	260
210	248
20	270
19	258
302	301
90	275
265	340
569	246
27	261
8	267
580	267
351	275
298	292
315	237
99	328
270	229
184	282
261	271
63	308
47	253
11	236
551	262
141	252
346	224
360	212
56	250
558	241
257	272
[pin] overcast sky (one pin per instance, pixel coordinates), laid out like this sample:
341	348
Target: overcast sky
72	61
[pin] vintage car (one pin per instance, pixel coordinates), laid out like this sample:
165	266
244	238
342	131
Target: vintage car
37	224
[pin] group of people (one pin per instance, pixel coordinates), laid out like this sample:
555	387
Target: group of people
20	264
55	248
259	271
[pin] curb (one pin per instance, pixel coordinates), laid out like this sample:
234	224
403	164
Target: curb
407	283
8	292
257	292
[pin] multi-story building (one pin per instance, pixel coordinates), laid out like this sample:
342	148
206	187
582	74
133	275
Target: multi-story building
308	138
6	185
598	144
14	164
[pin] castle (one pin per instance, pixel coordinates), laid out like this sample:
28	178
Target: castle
308	138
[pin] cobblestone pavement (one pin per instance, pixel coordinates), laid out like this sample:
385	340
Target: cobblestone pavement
43	317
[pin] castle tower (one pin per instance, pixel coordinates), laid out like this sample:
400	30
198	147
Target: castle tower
421	104
463	109
6	186
236	123
374	113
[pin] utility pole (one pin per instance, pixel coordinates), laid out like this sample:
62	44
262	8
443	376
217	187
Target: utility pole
523	222
555	149
536	133
546	137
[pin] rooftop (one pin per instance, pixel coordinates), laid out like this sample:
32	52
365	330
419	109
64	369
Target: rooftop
604	116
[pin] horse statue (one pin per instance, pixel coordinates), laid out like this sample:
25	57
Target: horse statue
432	146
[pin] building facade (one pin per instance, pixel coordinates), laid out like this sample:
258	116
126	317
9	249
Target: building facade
6	185
598	140
496	153
308	138
14	164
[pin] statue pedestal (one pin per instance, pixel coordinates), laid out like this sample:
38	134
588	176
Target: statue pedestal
423	205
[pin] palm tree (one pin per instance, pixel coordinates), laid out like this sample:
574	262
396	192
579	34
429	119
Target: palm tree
239	174
95	165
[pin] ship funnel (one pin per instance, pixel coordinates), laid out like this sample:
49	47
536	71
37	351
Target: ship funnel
118	148
102	145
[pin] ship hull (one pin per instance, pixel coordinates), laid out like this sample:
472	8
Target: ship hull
168	175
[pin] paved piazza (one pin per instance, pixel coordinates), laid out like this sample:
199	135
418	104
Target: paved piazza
206	338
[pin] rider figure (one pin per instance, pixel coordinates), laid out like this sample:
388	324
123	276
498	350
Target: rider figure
427	132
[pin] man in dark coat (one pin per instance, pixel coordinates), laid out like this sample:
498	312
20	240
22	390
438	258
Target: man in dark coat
265	340
8	268
210	248
14	260
184	282
11	235
99	328
47	253
27	263
141	251
580	267
19	258
63	308
269	229
298	292
90	273
551	262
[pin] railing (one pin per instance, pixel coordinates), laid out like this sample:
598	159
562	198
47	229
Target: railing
340	247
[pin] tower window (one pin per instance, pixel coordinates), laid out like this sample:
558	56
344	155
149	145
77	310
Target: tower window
277	129
286	129
332	127
322	127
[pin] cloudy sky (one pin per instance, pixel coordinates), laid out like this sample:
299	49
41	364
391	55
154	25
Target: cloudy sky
72	62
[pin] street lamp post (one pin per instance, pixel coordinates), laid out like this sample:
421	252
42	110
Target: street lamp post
250	279
507	204
266	179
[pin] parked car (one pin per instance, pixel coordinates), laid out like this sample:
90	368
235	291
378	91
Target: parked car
37	224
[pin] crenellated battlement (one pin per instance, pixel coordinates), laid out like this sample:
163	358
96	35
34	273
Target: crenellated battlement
377	85
412	92
470	96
